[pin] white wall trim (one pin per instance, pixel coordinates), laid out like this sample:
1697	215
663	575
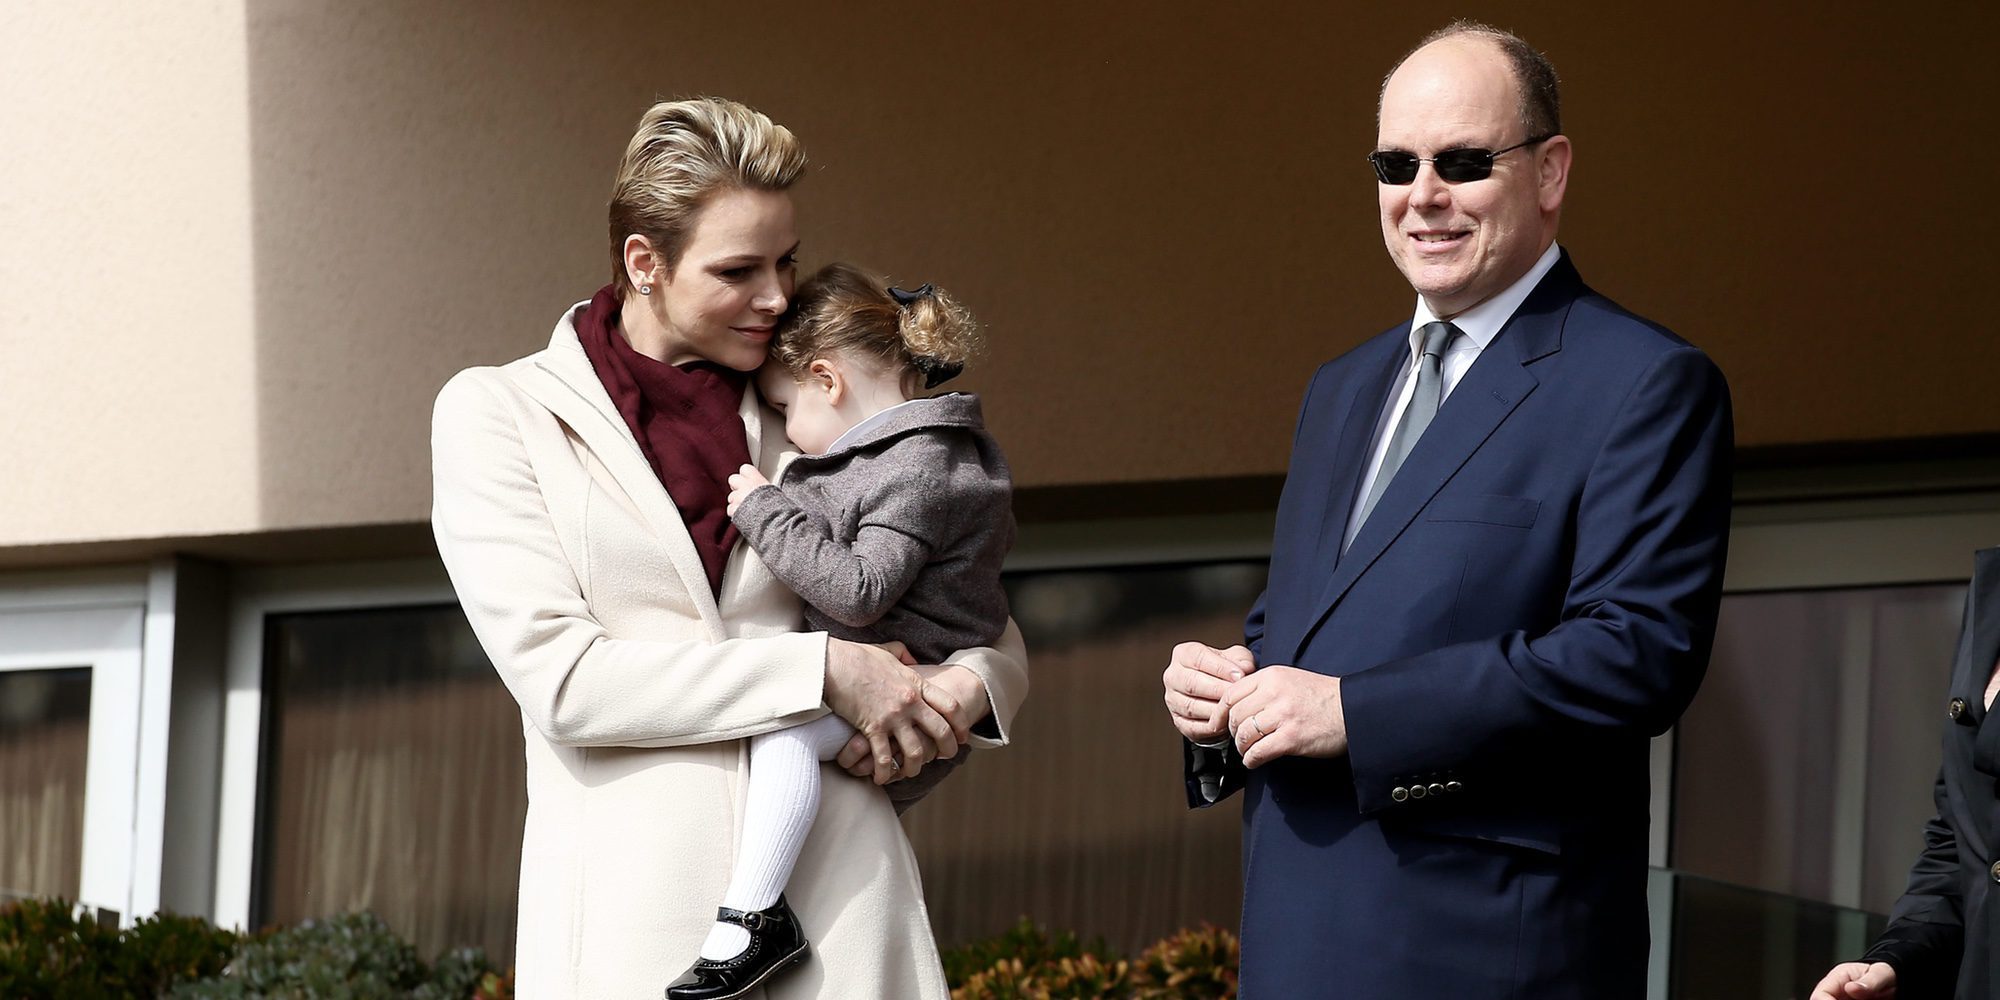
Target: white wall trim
108	587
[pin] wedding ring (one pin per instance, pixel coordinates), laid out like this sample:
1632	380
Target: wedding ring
1261	731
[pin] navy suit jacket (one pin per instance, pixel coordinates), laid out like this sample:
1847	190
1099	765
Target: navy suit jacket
1533	597
1944	934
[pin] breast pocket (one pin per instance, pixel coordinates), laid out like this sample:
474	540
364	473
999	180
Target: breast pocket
1484	508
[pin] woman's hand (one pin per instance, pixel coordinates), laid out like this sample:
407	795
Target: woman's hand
960	684
1857	981
745	479
905	720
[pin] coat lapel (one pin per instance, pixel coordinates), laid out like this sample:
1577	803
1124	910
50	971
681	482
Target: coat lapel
1984	609
1982	630
771	451
1351	454
562	380
1482	400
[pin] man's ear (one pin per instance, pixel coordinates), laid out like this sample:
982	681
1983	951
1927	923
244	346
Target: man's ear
643	267
1554	166
829	377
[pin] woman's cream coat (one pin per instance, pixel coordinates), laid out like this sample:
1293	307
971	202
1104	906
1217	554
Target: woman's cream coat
637	688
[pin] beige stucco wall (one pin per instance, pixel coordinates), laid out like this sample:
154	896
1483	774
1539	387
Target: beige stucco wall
127	361
1162	214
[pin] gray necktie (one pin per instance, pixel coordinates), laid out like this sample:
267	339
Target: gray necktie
1423	406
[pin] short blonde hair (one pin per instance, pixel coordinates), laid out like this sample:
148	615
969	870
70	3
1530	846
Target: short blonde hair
684	153
841	309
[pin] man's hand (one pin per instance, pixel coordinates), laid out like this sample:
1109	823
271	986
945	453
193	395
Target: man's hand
904	720
746	479
1195	679
1285	712
1857	981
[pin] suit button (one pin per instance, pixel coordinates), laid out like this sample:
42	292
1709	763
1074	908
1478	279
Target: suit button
1454	786
1956	709
1418	791
1996	871
1437	789
1399	794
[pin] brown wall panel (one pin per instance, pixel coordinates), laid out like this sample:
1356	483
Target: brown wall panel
1161	212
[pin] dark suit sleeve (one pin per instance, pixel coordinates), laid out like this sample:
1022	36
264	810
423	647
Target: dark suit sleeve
1926	933
1253	630
1631	640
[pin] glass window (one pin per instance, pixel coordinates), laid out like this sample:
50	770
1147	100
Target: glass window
393	777
1082	823
44	744
1805	764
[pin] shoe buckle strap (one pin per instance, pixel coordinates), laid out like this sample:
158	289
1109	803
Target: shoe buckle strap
747	919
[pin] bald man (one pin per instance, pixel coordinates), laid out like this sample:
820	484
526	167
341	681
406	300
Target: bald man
1495	575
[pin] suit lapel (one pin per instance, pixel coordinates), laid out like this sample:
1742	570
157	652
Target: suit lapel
562	380
1351	453
1984	628
1983	638
1481	401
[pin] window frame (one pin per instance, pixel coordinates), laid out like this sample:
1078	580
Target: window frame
97	619
257	593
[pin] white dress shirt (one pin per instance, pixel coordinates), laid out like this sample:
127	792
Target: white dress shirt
1479	325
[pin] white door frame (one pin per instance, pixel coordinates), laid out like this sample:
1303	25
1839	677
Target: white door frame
94	620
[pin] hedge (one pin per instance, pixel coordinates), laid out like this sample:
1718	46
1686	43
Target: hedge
48	952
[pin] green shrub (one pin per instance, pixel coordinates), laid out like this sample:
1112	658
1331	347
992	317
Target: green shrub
46	951
1028	963
352	957
1195	964
1083	978
1024	941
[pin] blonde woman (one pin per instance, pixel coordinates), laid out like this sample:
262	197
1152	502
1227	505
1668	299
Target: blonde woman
892	526
579	509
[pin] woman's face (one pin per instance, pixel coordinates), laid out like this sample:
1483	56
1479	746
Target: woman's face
722	301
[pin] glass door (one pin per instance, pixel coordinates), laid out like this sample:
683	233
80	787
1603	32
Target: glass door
69	746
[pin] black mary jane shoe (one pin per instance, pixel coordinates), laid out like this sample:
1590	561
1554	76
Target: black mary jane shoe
776	943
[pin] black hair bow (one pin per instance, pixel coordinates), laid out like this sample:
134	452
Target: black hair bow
904	298
937	372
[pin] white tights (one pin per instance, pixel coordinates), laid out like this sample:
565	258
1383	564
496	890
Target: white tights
782	802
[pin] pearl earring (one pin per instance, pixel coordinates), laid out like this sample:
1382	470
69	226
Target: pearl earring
645	289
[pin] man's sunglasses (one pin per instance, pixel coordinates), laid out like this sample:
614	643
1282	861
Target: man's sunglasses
1453	166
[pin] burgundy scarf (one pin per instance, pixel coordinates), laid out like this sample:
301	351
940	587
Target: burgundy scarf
685	419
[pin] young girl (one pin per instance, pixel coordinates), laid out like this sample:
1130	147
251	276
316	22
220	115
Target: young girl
892	526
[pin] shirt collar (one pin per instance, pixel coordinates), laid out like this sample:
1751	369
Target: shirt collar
868	424
1482	322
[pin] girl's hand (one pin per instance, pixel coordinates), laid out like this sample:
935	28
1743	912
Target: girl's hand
746	479
967	694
